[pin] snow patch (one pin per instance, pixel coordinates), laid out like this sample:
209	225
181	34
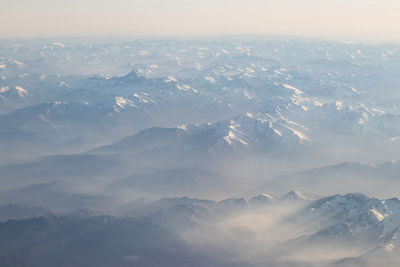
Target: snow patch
59	44
389	247
170	79
248	95
183	87
64	84
21	91
4	89
225	52
19	64
378	215
296	91
339	105
121	102
210	79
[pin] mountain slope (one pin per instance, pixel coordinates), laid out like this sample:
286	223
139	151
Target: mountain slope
261	132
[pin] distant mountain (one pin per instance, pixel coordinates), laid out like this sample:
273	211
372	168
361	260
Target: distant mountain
361	225
58	197
381	179
261	132
60	126
172	182
88	95
19	212
359	120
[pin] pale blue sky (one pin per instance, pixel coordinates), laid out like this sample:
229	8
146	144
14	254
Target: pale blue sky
371	20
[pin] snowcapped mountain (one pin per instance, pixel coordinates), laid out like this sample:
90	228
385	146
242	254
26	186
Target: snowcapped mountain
356	120
341	220
354	221
252	130
348	219
261	132
329	88
123	130
364	216
233	204
366	227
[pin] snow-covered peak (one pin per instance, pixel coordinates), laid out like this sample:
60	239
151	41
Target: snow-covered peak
122	103
296	195
342	205
365	216
249	130
262	199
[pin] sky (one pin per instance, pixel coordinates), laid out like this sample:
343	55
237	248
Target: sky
370	20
